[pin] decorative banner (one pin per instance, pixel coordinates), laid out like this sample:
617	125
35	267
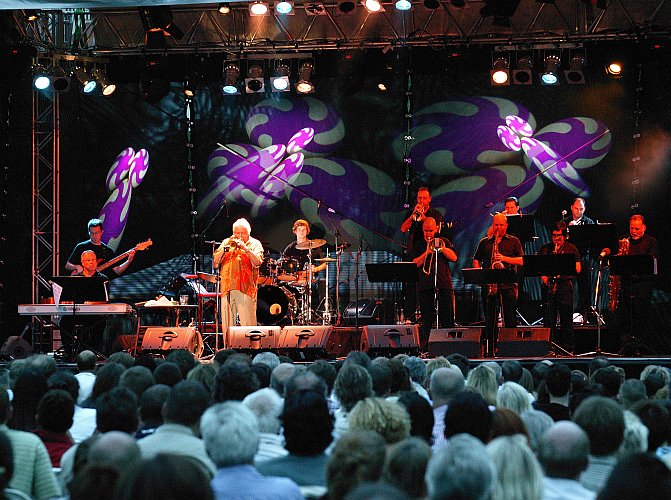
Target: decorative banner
125	174
274	121
458	137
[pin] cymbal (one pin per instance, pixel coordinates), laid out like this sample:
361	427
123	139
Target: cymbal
211	278
310	244
326	259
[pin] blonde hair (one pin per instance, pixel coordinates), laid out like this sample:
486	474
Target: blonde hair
483	380
300	222
389	419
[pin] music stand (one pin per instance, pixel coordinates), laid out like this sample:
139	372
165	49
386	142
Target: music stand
521	226
393	272
593	236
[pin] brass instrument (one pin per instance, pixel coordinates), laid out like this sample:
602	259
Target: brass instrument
432	245
615	282
493	288
418	213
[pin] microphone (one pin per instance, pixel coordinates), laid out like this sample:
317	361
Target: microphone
604	253
563	213
319	206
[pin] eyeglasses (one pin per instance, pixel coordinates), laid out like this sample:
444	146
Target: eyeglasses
558	235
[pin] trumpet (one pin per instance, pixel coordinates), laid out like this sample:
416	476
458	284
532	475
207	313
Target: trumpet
418	213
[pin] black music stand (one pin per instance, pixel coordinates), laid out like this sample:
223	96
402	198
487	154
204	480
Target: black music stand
393	272
480	276
562	264
521	226
593	237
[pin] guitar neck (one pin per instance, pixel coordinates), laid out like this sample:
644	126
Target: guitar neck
113	261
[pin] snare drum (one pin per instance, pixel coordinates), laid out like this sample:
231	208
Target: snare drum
276	305
288	270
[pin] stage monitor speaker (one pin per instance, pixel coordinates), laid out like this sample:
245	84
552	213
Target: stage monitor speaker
253	337
342	341
389	340
304	343
161	340
523	342
446	341
16	347
372	311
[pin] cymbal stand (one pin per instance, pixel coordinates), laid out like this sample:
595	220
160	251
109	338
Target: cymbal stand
326	317
308	291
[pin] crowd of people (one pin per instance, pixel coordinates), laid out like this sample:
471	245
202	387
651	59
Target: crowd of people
390	428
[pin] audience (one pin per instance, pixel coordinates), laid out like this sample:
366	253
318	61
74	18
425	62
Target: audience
54	418
353	383
405	466
389	419
267	405
151	409
421	415
518	473
639	477
558	386
444	386
86	376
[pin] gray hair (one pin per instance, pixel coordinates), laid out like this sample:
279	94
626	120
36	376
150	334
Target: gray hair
231	433
267	406
537	423
416	368
514	397
631	392
280	375
463	469
244	224
446	383
635	436
518	473
267	358
497	369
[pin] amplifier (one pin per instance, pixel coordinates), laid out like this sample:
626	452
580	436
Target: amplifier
446	341
523	342
389	340
253	337
161	340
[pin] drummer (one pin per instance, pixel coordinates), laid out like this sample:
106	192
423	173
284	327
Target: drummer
299	250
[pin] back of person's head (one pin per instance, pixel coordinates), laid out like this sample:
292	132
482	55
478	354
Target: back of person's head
579	380
460	361
598	362
563	450
308	425
147	361
497	370
55	411
432	365
405	466
64	381
138	379
204	374
262	372
389	419
280	375
462	470
168	373
400	380
304	380
44	364
514	397
536	422
357	457
231	433
234	381
151	404
421	415
635	436
641	476
445	384
609	378
325	370
506	422
186	403
116	410
558	380
358	358
631	392
266	405
468	413
657	370
30	386
267	358
658	421
222	355
168	477
352	384
107	377
381	376
123	358
538	372
527	381
483	380
416	368
114	449
86	361
518	473
182	358
376	491
603	421
511	371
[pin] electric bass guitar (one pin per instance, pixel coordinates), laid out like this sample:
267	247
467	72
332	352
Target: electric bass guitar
140	246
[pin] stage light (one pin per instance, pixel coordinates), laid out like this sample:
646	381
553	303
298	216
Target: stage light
86	81
522	74
258	8
575	75
30	15
614	69
280	82
346	6
403	5
157	23
106	86
254	81
499	75
60	81
373	6
432	4
231	73
190	84
41	79
550	75
284	8
224	8
305	85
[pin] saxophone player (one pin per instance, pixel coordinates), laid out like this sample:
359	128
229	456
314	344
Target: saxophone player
499	250
559	290
435	281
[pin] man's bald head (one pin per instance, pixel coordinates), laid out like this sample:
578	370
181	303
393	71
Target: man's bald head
114	449
563	450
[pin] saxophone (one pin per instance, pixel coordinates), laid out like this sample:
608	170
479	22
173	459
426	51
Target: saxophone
496	264
615	283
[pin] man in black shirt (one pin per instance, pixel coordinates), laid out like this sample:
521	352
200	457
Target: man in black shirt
584	278
102	251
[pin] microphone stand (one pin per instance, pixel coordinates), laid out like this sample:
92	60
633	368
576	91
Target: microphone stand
594	308
436	295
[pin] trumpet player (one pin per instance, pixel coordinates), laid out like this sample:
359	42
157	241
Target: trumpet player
504	251
413	225
435	281
238	259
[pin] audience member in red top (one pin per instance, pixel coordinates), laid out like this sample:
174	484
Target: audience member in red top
54	418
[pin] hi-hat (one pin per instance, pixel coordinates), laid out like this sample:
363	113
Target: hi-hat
307	245
212	278
326	259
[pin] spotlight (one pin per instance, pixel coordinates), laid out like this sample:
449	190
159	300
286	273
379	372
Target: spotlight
614	69
258	8
88	83
254	81
284	8
59	79
30	15
106	86
522	72
346	6
499	75
550	76
224	8
575	75
231	73
157	23
305	85
432	4
280	82
373	6
190	85
403	5
41	79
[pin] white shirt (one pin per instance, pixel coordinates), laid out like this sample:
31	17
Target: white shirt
555	488
86	381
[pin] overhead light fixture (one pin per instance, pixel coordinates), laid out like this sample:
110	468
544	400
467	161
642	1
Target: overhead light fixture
403	5
41	80
550	75
254	82
373	6
158	24
522	74
106	86
60	81
305	85
280	82
224	8
432	4
614	69
502	10
190	84
575	74
346	6
231	74
285	8
314	9
258	8
30	15
499	75
86	81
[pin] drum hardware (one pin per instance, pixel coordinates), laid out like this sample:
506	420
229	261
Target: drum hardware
325	259
287	270
310	244
277	305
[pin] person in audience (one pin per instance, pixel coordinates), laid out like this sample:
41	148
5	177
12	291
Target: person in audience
506	422
107	377
358	358
417	371
421	415
603	421
518	473
631	392
656	418
327	372
205	375
563	451
356	458
381	375
304	380
639	477
151	409
123	358
182	358
538	372
536	423
231	435
513	396
661	377
498	370
635	438
180	430
280	375
597	362
83	419
511	370
234	381
376	491
462	470
387	418
445	384
267	358
527	381
482	379
267	405
352	384
400	381
405	466
468	413
609	379
138	379
54	419
460	361
30	386
168	373
263	373
432	365
32	472
7	470
558	385
86	376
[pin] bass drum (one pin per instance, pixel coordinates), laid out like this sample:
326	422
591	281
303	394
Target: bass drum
276	305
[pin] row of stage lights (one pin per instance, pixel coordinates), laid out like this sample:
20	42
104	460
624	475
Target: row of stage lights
287	8
255	81
59	79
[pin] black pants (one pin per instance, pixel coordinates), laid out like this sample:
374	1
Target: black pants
559	302
504	300
445	313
